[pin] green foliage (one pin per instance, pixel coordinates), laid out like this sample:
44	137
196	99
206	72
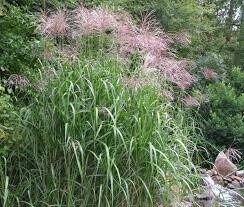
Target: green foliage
88	140
210	60
17	40
223	117
44	4
7	120
93	45
239	56
236	79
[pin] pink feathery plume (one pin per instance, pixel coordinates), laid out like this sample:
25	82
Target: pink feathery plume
182	38
54	25
173	69
94	20
209	73
167	94
147	38
190	101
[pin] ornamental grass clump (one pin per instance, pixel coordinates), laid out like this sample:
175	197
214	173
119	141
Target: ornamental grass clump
94	135
90	141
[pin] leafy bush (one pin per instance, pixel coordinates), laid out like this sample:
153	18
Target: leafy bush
18	41
37	4
210	60
6	121
223	115
236	79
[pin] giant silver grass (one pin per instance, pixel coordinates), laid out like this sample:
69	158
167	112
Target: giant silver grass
154	44
84	140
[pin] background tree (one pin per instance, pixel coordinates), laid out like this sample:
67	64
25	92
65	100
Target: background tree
239	57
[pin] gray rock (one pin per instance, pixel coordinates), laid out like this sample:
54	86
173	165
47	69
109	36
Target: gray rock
181	204
229	180
186	204
218	179
214	172
203	171
231	186
240	173
239	179
205	201
209	172
225	183
213	193
223	165
236	184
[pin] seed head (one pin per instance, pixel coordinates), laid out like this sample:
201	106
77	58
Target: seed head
209	74
54	25
190	101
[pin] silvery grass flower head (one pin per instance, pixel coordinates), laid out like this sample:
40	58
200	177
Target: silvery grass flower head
233	154
174	70
190	101
147	38
209	74
167	94
182	38
70	53
54	24
154	44
95	20
16	80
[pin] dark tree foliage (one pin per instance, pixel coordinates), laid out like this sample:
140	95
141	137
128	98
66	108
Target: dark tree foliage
17	40
239	58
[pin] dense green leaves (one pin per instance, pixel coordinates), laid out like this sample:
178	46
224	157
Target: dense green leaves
7	122
239	57
18	51
223	116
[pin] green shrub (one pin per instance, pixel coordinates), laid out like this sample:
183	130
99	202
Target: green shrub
236	79
35	5
210	60
6	121
223	116
18	41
